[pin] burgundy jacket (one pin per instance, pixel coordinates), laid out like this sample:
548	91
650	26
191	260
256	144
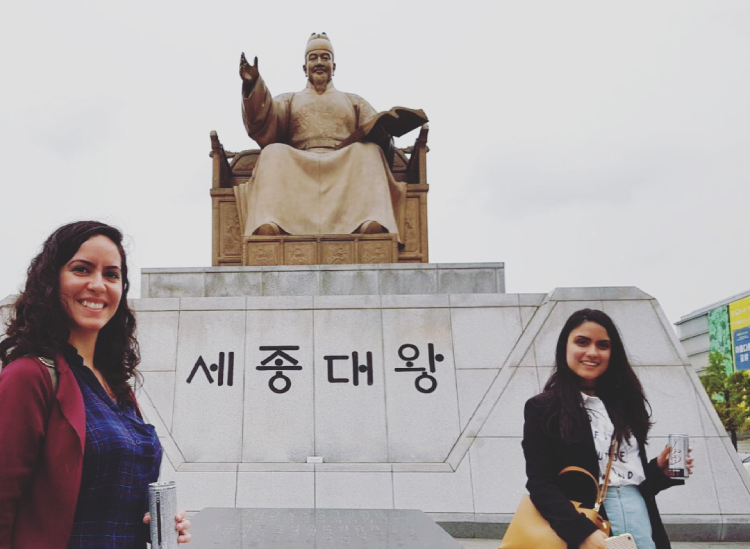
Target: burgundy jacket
42	436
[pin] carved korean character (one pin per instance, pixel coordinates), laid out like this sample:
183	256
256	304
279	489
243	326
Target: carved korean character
282	362
357	368
218	368
424	383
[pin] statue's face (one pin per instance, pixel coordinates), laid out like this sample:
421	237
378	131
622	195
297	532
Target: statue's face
319	66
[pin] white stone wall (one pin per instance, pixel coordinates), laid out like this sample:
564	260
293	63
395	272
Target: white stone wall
454	453
310	280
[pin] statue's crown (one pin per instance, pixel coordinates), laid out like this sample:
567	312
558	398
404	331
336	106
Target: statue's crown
318	41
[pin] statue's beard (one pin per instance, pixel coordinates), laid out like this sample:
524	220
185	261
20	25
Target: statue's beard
320	79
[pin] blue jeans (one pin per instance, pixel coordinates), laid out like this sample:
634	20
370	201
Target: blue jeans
626	510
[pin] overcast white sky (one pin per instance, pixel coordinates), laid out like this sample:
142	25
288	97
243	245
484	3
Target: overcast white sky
583	143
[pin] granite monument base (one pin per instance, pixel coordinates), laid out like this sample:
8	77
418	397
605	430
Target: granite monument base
405	383
234	528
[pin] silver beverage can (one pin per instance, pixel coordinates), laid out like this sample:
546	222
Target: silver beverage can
678	456
162	503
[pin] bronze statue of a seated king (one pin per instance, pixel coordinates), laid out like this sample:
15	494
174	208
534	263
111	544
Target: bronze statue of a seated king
305	181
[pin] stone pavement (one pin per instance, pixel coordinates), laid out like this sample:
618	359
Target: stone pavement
495	543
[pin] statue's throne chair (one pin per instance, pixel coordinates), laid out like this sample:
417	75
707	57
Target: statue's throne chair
231	248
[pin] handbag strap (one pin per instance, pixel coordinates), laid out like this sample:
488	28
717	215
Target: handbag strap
605	484
574	469
601	491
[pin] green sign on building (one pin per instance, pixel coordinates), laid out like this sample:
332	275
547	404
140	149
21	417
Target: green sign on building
720	335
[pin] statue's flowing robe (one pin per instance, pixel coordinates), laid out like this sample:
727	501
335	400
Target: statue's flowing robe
300	182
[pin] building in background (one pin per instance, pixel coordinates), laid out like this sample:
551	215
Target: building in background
724	327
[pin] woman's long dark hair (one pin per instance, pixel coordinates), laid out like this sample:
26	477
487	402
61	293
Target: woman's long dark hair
39	325
618	387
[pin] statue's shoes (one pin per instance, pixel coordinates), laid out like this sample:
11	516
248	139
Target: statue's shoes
370	227
268	229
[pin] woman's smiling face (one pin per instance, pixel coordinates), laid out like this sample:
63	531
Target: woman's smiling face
588	352
91	286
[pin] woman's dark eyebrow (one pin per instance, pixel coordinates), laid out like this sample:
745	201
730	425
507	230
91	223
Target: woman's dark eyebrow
80	261
90	264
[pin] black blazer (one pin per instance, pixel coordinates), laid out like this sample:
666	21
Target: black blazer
546	456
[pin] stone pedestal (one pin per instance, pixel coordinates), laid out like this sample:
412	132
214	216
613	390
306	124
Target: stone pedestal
405	384
315	280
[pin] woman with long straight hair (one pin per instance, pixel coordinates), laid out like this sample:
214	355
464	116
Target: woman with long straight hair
76	457
592	398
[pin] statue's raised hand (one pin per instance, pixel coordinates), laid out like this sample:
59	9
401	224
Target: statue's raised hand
249	73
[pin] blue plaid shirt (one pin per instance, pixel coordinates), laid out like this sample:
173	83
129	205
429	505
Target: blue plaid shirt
121	457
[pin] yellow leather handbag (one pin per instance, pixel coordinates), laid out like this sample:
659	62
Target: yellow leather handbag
529	530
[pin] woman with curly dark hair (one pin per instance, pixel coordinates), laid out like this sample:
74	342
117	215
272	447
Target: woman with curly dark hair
76	455
593	398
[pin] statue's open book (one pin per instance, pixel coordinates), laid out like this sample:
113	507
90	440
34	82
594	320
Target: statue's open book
396	122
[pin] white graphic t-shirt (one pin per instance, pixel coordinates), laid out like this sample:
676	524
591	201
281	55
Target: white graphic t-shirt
626	467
